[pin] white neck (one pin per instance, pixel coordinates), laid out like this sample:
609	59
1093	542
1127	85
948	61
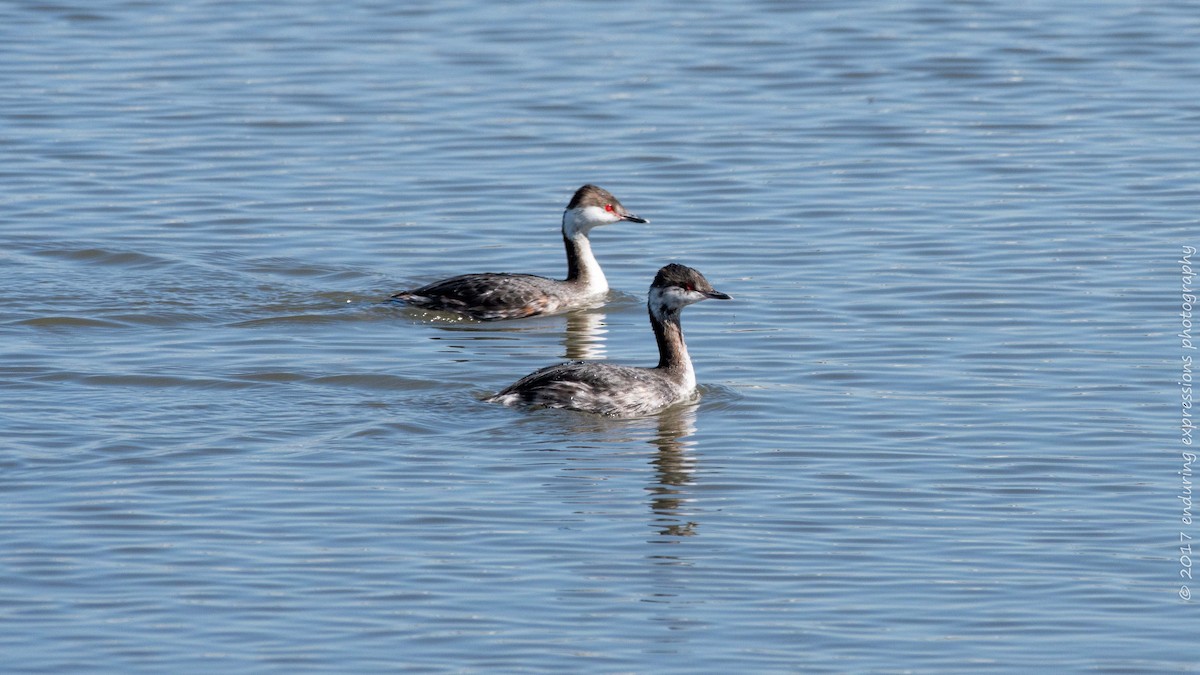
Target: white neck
688	375
582	267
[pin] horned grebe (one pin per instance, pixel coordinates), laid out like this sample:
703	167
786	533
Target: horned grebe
624	391
493	296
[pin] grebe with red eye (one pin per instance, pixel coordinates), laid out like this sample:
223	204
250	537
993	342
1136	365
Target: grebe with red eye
494	296
624	391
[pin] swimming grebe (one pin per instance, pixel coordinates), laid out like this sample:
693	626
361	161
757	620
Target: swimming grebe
489	297
625	391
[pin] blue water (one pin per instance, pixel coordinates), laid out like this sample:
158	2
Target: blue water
939	428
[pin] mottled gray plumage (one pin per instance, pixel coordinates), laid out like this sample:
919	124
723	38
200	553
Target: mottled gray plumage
626	391
603	388
495	296
490	297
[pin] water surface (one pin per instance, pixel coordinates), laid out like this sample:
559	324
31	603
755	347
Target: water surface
938	427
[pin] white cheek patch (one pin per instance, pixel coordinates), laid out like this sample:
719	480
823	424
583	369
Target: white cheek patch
662	300
582	220
594	213
676	295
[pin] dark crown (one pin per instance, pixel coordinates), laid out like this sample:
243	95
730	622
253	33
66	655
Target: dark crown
591	195
681	276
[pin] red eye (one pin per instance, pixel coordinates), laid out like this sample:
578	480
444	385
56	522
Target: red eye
689	287
608	207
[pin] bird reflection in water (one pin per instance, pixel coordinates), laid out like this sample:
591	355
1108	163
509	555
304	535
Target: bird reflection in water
674	465
674	459
584	338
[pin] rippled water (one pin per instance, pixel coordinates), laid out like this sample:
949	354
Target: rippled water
939	424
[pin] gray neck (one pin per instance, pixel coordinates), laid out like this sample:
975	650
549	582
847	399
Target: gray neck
672	351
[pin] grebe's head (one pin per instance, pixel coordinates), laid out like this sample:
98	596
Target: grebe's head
593	206
677	286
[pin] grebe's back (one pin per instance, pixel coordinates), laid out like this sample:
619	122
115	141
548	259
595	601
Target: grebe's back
490	296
